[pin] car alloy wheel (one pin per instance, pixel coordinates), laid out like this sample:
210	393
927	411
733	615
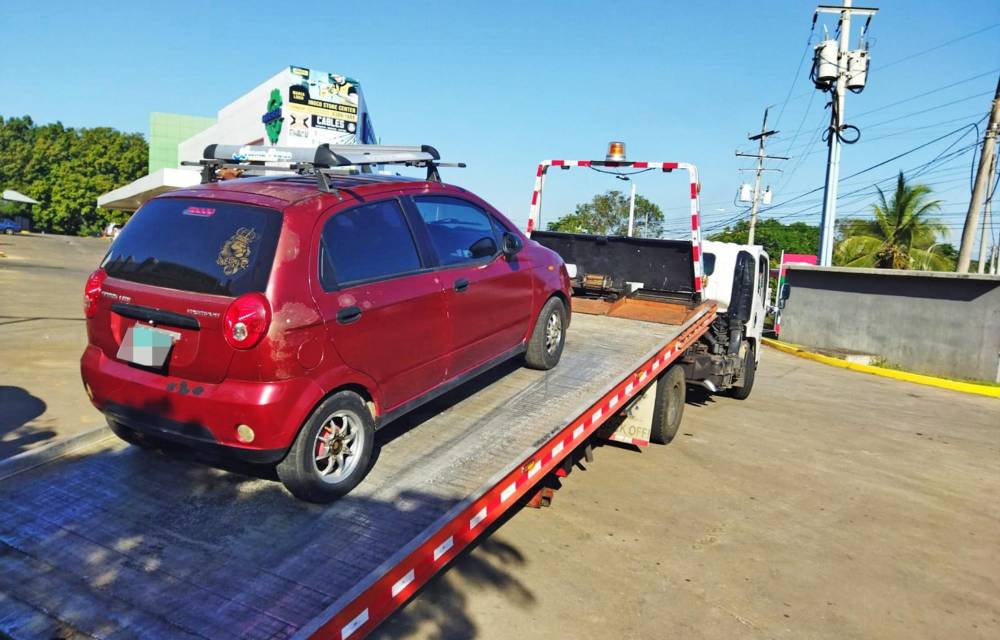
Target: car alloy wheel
337	445
553	332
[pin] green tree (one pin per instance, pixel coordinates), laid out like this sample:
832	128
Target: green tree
607	215
65	169
900	236
774	236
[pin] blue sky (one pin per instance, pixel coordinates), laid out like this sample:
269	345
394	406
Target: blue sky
504	85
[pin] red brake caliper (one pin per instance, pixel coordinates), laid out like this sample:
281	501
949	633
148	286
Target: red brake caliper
321	446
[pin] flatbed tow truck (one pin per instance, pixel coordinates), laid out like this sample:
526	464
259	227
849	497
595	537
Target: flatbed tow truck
119	542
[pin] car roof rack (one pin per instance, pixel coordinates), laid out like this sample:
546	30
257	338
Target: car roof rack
324	161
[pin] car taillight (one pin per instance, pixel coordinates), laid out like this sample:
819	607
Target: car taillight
92	292
246	320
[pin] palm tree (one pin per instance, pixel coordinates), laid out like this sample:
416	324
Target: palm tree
900	236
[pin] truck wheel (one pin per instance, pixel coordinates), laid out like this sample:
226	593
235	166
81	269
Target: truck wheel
547	339
668	406
130	435
9	232
330	455
749	373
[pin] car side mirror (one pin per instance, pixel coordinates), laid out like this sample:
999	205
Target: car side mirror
483	248
511	244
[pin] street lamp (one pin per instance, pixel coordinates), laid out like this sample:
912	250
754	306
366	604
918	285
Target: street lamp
631	205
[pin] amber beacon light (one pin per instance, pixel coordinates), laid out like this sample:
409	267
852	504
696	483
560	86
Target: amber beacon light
616	152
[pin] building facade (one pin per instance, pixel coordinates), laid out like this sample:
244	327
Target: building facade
296	107
166	132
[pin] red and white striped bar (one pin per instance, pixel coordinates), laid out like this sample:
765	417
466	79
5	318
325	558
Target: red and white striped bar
393	588
696	250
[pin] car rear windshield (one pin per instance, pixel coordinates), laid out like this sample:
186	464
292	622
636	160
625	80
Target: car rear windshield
202	246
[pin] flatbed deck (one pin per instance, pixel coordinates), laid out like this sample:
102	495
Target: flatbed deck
124	543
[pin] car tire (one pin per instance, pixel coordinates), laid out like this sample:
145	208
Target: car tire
668	405
9	232
749	373
548	337
332	452
130	435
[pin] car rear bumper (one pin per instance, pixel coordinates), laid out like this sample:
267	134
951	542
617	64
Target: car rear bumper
200	415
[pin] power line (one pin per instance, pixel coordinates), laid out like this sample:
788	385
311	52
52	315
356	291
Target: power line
942	160
906	100
934	108
816	137
939	158
939	46
865	191
802	121
910	115
903	132
874	166
927	93
795	76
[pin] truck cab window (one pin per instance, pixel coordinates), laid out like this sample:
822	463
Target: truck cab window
709	260
762	274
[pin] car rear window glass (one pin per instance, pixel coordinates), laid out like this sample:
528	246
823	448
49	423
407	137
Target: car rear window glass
202	246
369	242
459	230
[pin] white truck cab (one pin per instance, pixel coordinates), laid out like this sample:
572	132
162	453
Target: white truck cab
724	264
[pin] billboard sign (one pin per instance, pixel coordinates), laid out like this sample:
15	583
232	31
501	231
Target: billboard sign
311	107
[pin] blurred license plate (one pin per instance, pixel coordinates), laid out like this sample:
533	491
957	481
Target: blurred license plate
146	346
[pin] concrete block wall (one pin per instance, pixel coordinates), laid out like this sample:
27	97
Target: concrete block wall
945	324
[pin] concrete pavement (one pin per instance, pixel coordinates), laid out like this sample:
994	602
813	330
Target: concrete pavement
42	335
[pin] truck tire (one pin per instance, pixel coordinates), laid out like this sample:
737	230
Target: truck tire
548	337
668	406
331	454
749	373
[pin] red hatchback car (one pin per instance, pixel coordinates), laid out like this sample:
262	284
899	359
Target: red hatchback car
284	324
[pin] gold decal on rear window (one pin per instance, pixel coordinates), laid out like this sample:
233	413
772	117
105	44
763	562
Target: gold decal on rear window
235	254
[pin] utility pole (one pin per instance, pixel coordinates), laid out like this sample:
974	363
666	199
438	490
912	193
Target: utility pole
761	155
987	232
839	92
983	176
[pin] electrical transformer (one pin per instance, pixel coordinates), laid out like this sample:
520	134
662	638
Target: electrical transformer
746	193
857	69
825	67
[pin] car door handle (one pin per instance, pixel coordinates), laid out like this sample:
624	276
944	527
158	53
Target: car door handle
348	315
461	285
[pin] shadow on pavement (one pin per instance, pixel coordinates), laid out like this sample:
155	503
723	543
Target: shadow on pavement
484	565
17	408
4	320
698	396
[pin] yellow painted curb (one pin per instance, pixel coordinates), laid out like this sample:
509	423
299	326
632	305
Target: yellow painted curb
918	378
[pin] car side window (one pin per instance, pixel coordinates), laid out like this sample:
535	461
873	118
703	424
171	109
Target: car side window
369	242
459	230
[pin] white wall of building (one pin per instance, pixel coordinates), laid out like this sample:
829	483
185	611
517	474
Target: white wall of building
239	121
